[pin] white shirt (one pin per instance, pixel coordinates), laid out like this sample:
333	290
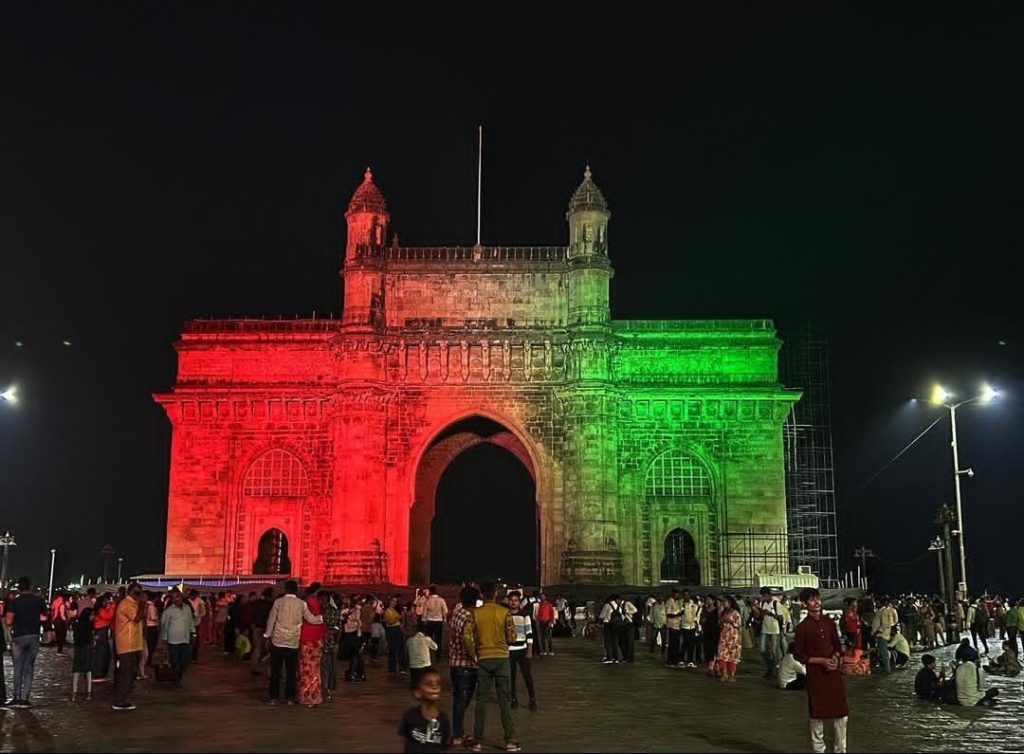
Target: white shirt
435	608
419	647
769	625
285	621
789	669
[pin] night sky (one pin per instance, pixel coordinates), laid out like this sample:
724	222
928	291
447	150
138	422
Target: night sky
857	166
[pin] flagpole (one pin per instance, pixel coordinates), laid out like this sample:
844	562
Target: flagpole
479	178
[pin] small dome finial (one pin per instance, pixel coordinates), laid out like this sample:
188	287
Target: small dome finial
368	175
586	171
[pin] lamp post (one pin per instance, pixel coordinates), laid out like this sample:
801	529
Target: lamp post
937	546
943	398
120	559
106	551
9	395
7	540
946	518
53	559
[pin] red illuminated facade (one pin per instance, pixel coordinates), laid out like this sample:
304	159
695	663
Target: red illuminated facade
315	446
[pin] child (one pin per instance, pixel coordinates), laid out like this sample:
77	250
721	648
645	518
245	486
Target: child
1007	664
419	646
929	682
82	635
425	727
376	635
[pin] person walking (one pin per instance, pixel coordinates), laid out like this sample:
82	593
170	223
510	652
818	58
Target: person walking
59	617
311	647
350	649
22	617
520	652
284	629
545	624
128	644
152	635
818	648
461	667
81	663
102	624
178	629
730	645
881	629
673	614
332	633
435	611
487	640
393	636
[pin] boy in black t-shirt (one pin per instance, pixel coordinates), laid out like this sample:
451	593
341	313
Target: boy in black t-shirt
425	727
929	684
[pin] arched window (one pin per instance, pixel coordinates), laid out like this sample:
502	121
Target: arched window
675	474
276	473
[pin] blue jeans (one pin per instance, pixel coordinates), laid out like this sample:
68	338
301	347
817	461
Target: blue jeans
24	650
101	656
463	686
772	650
396	648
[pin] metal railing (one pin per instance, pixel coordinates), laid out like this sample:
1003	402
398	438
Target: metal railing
475	253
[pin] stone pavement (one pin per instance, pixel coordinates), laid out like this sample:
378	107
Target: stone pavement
584	706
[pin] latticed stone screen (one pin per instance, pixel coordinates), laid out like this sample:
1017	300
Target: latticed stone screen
276	473
676	475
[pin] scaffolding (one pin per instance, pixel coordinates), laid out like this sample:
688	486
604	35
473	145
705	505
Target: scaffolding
810	487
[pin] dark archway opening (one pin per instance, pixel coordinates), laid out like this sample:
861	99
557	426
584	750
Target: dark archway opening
680	563
485	522
272	554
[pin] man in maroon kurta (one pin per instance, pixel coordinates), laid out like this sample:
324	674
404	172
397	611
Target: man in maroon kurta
818	647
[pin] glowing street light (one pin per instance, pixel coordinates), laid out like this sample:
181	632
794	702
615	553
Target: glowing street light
942	397
10	394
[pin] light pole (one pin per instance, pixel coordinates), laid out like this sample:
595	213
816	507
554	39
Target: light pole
7	540
943	398
937	546
119	560
10	395
106	551
863	553
53	559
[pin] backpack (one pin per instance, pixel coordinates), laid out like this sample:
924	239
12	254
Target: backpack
617	618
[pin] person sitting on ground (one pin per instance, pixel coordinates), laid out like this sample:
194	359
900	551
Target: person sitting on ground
929	681
1007	664
792	672
899	649
971	688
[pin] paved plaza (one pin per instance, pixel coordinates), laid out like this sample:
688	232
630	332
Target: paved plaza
584	706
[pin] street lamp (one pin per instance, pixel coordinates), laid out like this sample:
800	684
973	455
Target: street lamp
10	395
7	540
942	397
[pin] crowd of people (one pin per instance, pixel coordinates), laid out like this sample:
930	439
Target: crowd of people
492	636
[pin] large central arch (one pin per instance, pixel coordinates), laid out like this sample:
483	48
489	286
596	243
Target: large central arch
448	444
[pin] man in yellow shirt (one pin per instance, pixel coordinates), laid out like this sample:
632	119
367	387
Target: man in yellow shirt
487	638
128	644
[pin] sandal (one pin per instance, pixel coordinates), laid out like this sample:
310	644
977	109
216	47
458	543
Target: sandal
513	746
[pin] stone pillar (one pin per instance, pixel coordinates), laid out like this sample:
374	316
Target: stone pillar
593	551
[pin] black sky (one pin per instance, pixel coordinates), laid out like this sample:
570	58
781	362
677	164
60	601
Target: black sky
855	164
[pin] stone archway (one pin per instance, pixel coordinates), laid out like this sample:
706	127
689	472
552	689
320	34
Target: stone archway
443	449
680	563
272	553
